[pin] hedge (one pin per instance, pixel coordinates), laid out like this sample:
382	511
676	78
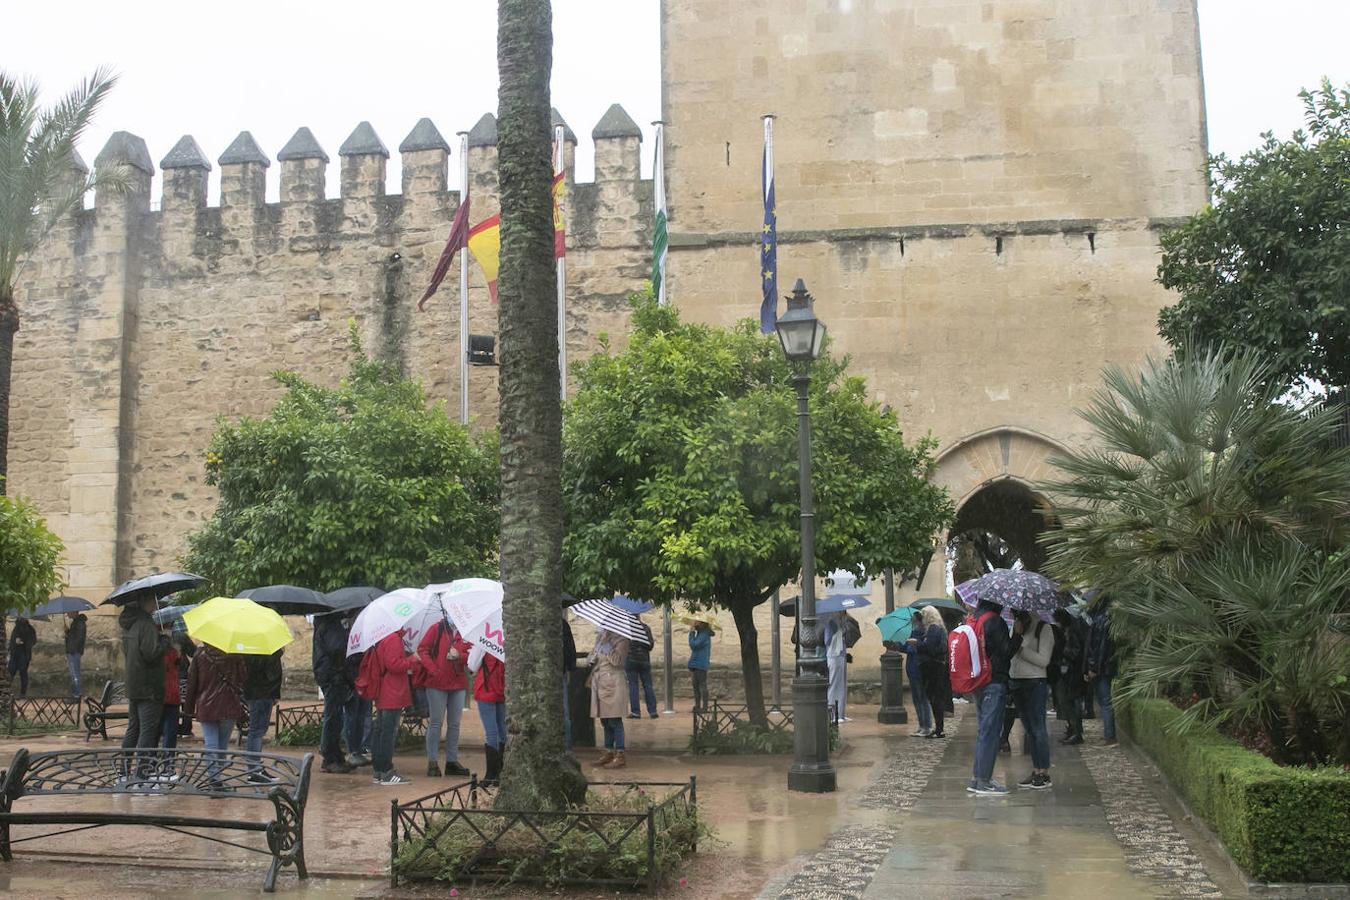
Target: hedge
1281	824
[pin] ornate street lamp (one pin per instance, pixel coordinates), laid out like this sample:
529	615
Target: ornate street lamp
802	336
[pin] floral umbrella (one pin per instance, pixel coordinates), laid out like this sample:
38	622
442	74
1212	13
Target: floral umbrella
1011	589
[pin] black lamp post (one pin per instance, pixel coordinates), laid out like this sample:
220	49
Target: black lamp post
802	336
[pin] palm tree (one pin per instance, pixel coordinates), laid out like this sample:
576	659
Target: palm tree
539	774
1217	517
41	182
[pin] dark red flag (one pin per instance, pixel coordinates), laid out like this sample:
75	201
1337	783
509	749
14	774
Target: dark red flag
459	239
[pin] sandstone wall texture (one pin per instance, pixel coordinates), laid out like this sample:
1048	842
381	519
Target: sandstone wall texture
972	190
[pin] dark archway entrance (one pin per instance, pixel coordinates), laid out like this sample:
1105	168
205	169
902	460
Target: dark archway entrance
998	527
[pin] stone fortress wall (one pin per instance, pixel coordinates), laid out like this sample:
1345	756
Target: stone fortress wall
972	189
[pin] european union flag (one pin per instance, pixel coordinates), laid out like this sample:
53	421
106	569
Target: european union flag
768	253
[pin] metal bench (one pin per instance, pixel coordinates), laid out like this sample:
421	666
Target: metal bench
96	713
166	774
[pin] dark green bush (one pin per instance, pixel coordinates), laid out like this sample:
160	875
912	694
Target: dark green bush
1281	824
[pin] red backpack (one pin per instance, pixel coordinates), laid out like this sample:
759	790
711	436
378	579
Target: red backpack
967	659
368	676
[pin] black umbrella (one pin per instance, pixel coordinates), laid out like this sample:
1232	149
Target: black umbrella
348	599
289	600
160	585
59	606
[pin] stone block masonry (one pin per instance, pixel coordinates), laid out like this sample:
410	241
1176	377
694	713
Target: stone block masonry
143	328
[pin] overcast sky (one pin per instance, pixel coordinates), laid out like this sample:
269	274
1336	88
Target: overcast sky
270	67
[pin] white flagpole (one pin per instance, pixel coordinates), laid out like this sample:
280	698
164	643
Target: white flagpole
659	174
559	164
464	288
768	155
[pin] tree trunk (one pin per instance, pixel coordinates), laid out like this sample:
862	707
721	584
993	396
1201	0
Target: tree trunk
538	773
9	324
744	616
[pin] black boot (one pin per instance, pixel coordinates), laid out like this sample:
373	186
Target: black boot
494	766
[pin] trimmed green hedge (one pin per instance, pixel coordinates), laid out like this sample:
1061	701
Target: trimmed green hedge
1280	824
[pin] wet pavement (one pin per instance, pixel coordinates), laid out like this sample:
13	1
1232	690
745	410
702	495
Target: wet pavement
901	824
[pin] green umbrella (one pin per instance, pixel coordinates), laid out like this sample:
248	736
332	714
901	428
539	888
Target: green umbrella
896	625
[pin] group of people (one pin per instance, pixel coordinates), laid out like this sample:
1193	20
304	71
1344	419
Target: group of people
1026	662
23	638
170	682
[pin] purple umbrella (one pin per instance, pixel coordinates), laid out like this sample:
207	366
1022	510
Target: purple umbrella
1011	589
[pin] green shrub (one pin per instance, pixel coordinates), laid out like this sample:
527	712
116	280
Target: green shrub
1281	824
305	735
555	849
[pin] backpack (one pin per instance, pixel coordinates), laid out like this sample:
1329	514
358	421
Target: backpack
968	662
368	678
852	631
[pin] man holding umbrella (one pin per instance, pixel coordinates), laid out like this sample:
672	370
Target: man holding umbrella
143	647
76	626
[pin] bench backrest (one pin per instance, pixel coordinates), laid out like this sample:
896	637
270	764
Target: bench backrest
113	692
214	773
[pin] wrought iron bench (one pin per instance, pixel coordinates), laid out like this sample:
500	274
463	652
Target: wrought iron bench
97	714
169	775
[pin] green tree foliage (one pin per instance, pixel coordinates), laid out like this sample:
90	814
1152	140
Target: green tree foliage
360	484
29	555
40	184
1267	266
1217	520
680	474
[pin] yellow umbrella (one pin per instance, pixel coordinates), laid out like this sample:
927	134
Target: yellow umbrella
236	625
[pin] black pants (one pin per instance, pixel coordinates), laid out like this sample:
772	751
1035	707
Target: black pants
1066	700
143	720
937	685
700	679
18	665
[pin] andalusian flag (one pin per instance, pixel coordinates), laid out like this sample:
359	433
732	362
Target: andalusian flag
660	237
485	243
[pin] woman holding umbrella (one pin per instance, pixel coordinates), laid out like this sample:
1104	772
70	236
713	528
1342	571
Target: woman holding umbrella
443	653
607	661
933	666
215	684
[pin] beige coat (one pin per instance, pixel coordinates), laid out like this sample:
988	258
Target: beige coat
609	685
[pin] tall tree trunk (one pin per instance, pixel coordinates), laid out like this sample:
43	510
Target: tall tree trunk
9	324
743	613
539	774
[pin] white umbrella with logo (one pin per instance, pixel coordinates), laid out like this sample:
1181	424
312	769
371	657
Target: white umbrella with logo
385	616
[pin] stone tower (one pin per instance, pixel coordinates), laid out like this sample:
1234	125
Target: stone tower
973	191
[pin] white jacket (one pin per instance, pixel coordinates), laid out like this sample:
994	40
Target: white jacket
1034	655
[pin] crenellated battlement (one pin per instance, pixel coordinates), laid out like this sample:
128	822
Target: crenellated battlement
602	212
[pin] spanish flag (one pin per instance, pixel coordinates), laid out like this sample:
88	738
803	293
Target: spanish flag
485	243
559	226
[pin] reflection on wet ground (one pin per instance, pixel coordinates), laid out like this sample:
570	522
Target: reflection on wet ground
901	824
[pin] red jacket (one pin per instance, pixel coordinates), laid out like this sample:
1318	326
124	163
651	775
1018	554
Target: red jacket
396	666
172	696
441	673
491	684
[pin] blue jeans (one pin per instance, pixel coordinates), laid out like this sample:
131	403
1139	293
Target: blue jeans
640	675
494	723
356	720
921	707
1102	688
445	706
567	713
259	717
168	726
989	707
613	733
216	736
383	739
330	740
1029	695
73	665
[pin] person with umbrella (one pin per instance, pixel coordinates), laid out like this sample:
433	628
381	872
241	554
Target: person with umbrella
489	695
914	672
262	689
638	671
1030	688
215	684
76	631
143	648
443	653
933	668
607	661
1071	682
329	658
700	659
395	664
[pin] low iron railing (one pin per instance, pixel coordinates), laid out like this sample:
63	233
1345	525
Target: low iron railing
717	720
46	711
504	845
